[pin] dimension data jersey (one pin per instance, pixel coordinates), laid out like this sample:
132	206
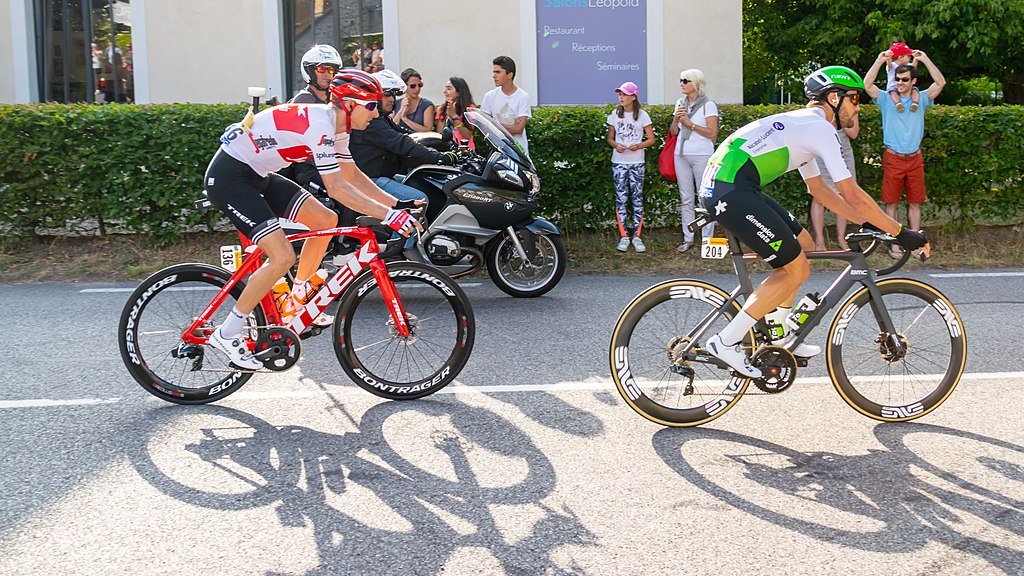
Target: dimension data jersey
279	136
778	144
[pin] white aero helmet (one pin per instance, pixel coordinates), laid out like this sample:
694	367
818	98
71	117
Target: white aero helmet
390	82
317	55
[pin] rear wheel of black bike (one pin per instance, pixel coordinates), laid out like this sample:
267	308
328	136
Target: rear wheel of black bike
646	361
384	363
153	322
867	369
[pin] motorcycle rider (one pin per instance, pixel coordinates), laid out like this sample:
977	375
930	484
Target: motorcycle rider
319	65
383	149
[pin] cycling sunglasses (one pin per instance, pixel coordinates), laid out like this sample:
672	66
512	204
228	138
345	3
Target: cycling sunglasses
325	69
854	98
370	105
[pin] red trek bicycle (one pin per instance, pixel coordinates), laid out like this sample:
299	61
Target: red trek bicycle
403	330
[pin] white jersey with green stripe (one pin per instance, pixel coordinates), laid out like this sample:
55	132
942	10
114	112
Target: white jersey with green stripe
778	144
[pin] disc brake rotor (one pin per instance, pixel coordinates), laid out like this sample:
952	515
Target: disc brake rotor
887	347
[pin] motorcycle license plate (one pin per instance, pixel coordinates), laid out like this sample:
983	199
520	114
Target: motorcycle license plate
714	248
231	257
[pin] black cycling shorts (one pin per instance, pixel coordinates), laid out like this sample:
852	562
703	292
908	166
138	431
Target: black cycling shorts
252	202
755	218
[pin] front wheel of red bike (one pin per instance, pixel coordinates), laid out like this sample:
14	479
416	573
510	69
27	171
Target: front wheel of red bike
152	325
389	365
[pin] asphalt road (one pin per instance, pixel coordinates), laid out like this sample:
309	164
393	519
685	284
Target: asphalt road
529	464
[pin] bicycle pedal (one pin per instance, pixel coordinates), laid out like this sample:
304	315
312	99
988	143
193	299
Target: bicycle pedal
310	332
801	361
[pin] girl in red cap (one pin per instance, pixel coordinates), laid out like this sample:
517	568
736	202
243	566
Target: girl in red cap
900	53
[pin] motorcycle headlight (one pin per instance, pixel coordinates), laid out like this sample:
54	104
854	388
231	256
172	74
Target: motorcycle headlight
534	183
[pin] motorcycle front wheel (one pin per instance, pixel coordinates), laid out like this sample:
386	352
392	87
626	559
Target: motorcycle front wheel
526	278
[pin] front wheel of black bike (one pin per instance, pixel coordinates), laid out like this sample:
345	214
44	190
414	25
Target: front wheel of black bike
151	328
384	363
866	366
649	369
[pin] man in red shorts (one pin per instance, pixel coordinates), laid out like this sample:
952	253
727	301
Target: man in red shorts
902	163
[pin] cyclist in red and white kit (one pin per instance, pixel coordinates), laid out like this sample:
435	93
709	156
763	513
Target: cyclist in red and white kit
242	182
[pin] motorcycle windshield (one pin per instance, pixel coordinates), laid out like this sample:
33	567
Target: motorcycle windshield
497	136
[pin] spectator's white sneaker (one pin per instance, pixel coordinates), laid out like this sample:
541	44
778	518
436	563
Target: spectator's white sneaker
638	244
803	350
236	350
623	244
734	356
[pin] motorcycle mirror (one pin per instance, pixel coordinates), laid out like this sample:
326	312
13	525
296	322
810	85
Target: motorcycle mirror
448	134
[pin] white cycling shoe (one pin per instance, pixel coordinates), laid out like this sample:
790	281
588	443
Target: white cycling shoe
803	350
733	355
236	350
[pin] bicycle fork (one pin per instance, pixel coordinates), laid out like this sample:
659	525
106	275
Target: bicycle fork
390	295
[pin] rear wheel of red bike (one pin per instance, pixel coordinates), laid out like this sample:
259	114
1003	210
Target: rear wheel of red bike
151	328
384	363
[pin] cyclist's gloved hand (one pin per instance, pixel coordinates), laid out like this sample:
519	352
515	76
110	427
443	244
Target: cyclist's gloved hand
404	204
911	239
400	221
447	158
871	227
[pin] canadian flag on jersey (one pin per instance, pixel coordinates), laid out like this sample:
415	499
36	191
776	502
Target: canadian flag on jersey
293	118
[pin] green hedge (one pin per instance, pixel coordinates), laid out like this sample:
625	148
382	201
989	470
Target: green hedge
974	161
140	167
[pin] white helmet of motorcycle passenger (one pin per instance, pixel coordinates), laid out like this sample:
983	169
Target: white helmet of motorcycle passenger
319	55
391	83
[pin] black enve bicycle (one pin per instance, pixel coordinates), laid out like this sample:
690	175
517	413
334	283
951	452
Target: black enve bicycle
895	350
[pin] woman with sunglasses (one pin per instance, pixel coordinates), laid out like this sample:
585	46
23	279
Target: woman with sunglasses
412	111
319	65
696	122
242	181
761	152
457	99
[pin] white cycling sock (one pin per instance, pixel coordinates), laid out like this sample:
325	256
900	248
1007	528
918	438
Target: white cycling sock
232	326
737	328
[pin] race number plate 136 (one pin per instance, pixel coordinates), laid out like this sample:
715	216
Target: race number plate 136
231	257
714	248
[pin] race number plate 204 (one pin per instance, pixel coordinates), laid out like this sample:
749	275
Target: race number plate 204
714	248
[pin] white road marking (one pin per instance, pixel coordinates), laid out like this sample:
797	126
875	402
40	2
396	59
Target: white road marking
43	402
455	388
975	274
214	289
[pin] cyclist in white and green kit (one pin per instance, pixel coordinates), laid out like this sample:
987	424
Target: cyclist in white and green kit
759	153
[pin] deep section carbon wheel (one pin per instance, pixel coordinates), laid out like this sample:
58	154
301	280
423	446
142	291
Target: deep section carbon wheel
383	362
655	368
902	375
151	328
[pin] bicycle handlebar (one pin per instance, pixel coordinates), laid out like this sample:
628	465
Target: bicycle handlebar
875	238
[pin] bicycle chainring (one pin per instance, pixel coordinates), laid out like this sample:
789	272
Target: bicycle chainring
778	366
278	348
